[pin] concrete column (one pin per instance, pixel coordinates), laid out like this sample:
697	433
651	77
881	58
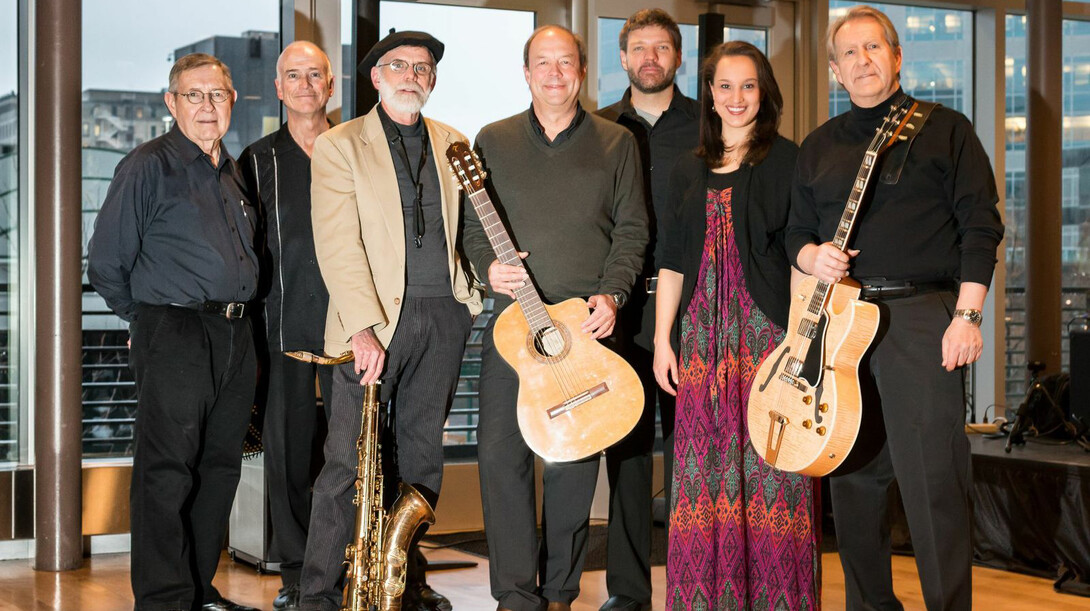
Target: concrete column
1044	115
57	234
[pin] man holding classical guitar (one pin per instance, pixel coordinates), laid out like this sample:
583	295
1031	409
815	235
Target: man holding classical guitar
924	251
569	188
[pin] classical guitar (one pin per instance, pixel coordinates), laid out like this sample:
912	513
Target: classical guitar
576	397
805	404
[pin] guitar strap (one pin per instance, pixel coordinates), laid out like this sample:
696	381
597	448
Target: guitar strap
895	158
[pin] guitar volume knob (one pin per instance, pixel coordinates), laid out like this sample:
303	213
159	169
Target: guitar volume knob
820	431
806	424
807	400
824	407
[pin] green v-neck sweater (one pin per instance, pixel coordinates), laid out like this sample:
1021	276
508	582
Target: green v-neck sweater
578	207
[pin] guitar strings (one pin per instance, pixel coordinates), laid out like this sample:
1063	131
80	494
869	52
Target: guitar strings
566	380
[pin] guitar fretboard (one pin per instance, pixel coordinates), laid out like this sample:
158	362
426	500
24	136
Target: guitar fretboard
884	136
527	296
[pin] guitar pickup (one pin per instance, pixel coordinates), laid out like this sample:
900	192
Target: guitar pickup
577	400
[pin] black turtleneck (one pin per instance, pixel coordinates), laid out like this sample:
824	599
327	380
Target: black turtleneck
426	273
938	221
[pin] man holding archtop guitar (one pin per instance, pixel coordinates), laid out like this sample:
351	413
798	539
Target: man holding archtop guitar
924	250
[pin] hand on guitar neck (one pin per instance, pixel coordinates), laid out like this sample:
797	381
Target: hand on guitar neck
505	279
825	261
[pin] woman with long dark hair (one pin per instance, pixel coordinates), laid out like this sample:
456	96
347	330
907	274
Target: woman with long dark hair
742	535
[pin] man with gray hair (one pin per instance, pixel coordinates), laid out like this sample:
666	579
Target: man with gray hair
386	215
173	254
277	171
924	251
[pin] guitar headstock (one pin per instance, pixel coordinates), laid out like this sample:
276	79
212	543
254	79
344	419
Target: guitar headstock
889	132
466	167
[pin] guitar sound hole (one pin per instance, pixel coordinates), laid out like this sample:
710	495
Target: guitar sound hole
550	344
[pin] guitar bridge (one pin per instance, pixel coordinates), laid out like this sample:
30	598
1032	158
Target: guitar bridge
777	424
577	400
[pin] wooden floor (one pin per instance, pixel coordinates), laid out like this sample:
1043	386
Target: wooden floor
103	585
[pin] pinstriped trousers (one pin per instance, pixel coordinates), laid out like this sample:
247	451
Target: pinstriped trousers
422	365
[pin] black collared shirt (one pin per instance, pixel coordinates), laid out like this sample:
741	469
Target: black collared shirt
675	134
173	229
562	136
939	221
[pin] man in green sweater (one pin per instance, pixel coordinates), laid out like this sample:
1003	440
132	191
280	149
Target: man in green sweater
570	187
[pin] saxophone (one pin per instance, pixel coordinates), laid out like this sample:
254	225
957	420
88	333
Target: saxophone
378	554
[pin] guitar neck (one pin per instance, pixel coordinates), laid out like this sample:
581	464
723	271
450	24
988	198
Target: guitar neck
527	296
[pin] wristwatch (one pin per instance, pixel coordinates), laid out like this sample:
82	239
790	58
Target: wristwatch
973	317
619	299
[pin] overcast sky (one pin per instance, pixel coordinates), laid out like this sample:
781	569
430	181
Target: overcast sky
9	59
127	44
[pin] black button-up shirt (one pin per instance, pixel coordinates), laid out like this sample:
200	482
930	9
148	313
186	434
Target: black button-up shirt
174	229
675	134
562	136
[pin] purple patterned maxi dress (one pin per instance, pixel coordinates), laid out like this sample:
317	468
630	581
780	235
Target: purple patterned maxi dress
742	535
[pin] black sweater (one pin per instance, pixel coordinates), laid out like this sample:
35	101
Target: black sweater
759	210
938	222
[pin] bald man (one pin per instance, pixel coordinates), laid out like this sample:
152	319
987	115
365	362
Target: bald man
277	171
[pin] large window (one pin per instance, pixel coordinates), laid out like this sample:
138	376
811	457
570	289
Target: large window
480	78
613	80
1075	189
938	51
122	108
9	224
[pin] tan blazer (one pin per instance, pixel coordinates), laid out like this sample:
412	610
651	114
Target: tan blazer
359	230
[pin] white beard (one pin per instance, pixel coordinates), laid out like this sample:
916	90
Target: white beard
401	101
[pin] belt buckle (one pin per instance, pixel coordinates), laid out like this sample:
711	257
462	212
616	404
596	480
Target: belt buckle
235	310
651	284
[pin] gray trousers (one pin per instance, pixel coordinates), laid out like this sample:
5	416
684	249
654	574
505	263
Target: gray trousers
925	449
422	366
506	467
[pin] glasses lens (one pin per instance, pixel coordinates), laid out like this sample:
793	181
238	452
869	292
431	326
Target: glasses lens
398	65
219	96
422	69
195	97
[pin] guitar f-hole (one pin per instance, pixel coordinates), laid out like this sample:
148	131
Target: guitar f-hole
776	425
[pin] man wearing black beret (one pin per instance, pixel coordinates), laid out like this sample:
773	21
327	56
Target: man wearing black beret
386	215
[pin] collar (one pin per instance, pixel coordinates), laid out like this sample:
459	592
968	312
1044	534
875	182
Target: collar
876	112
284	142
580	114
677	103
395	130
189	151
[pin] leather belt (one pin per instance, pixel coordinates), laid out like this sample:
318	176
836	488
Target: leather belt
651	284
880	288
230	310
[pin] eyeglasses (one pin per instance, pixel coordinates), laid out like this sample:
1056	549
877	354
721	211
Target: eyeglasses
219	96
399	66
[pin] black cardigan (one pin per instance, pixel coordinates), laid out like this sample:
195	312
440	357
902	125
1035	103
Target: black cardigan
759	213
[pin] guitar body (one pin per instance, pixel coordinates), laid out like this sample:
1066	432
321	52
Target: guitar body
804	428
580	398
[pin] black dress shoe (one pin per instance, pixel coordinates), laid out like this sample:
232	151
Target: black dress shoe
420	597
225	605
288	600
624	603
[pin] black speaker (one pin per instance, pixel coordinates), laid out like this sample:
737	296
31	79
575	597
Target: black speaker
1079	344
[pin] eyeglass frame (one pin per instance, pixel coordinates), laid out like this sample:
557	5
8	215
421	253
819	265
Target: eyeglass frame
205	95
430	72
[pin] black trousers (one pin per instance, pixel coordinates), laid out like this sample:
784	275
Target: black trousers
629	467
423	361
195	376
292	437
925	449
506	466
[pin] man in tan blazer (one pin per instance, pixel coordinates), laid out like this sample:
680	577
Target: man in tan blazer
385	215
